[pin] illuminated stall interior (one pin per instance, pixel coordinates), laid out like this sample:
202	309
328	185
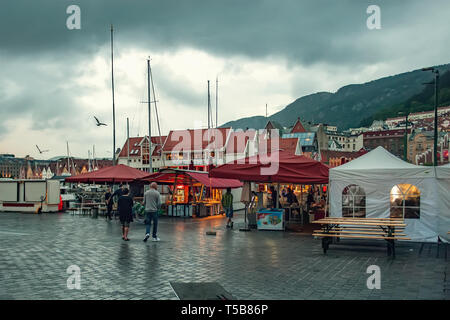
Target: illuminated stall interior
192	192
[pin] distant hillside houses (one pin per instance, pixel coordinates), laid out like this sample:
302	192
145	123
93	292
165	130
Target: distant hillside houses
30	168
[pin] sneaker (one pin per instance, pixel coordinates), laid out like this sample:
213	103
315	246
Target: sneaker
146	237
156	239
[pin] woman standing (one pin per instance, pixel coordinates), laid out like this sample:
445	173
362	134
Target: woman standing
125	208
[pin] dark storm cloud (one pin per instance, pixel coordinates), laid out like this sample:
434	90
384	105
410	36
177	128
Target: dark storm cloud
298	32
42	90
304	32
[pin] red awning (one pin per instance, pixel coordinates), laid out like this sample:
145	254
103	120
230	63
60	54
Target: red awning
217	183
280	166
118	173
187	177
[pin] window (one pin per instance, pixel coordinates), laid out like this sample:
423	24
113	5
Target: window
405	201
353	201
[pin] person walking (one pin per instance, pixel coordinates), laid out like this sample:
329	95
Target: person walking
227	204
152	203
125	208
109	204
117	193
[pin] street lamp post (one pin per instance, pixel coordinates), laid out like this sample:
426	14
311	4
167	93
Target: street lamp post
405	143
436	103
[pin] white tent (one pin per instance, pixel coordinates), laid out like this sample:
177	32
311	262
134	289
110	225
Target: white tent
443	187
379	177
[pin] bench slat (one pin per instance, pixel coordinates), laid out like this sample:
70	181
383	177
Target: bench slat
387	224
364	232
358	237
365	229
360	220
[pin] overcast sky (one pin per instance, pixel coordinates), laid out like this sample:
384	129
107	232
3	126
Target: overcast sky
54	80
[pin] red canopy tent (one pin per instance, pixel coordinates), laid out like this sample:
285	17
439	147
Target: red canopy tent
187	177
276	167
287	168
113	174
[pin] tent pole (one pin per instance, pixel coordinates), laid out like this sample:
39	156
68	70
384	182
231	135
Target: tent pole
246	228
328	199
174	188
278	196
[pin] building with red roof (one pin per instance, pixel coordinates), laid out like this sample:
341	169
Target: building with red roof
195	149
138	156
391	140
298	127
240	144
336	158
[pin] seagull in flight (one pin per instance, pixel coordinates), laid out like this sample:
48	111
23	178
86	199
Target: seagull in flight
41	151
99	123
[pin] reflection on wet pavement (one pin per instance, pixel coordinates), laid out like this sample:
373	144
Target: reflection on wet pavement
36	251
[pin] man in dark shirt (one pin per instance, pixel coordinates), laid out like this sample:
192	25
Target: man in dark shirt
125	208
291	197
108	203
274	196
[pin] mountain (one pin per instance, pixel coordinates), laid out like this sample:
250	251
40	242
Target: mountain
348	106
424	101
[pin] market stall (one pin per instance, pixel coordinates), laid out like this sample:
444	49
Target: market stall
191	193
114	174
93	197
380	185
276	168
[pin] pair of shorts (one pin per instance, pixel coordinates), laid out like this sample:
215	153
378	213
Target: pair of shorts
125	224
229	212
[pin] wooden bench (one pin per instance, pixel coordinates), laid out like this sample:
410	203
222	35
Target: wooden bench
361	228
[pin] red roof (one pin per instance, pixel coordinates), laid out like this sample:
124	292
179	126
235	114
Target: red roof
284	144
196	139
298	127
159	142
384	133
282	166
118	173
238	140
186	177
327	154
135	146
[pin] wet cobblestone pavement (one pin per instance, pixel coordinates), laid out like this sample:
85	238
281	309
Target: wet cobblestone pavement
36	251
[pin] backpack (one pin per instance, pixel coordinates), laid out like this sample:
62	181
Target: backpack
227	200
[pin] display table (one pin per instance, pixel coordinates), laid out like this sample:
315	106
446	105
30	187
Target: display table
270	219
208	209
179	210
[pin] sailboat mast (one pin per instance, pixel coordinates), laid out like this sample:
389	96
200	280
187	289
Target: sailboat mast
217	95
209	108
89	161
149	119
68	163
94	159
113	106
128	142
157	116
